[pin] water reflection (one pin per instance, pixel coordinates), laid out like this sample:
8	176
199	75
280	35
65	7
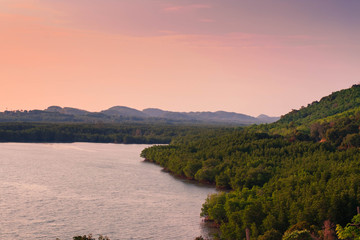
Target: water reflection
62	190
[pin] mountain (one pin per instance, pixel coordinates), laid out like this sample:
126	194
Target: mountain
124	112
66	110
212	117
158	113
155	112
118	114
266	119
222	116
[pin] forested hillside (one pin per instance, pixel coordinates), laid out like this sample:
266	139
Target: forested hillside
300	175
335	103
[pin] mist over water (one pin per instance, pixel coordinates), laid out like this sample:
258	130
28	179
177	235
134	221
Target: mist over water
50	191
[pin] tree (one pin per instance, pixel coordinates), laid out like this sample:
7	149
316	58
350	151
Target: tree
271	235
351	230
297	235
89	237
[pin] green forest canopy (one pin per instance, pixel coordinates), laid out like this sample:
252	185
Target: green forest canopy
298	176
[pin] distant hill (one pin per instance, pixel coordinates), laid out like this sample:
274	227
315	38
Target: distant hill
119	114
158	113
215	117
66	110
266	119
221	116
124	111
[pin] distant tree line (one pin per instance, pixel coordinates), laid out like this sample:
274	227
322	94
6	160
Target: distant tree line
102	133
89	237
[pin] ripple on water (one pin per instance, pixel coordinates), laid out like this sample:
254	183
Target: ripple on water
63	190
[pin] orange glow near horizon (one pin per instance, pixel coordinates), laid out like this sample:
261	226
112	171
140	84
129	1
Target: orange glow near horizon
49	56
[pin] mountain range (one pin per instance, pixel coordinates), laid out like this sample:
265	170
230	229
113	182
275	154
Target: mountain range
118	114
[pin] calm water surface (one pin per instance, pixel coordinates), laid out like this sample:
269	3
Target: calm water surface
50	191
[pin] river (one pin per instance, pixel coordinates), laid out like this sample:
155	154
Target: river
50	191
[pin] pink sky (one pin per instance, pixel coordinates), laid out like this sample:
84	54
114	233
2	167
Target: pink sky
252	57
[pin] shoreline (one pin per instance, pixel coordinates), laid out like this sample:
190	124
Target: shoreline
187	179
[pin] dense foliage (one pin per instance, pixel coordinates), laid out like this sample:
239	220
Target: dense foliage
104	133
336	103
277	183
351	230
296	185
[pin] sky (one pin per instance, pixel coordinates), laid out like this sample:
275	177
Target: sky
246	56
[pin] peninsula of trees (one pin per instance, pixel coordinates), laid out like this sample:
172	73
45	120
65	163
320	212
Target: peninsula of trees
293	179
